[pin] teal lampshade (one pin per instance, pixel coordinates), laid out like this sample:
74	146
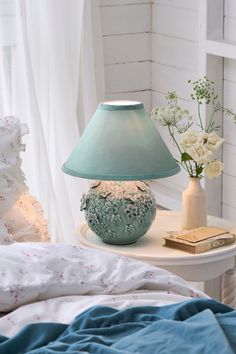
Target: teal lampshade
121	143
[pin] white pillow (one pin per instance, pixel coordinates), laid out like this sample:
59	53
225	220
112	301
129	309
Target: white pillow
21	212
25	220
12	181
5	236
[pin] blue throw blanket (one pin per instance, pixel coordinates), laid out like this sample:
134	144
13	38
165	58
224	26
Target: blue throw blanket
195	327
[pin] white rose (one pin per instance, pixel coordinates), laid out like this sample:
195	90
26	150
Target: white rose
203	137
213	169
188	139
200	153
214	141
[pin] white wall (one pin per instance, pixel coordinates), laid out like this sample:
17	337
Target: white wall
150	48
174	62
229	147
139	43
126	29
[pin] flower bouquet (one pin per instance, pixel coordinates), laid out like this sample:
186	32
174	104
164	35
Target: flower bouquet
197	146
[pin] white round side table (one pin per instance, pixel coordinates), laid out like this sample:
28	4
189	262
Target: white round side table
205	267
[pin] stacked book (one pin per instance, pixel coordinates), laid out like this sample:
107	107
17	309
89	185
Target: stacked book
199	240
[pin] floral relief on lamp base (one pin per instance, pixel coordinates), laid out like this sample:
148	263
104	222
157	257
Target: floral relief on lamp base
119	212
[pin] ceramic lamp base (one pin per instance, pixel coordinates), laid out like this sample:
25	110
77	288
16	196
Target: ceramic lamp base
119	212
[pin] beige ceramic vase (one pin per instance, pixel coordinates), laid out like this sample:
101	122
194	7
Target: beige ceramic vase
194	205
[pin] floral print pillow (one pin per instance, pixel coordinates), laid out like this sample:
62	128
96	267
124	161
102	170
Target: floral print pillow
21	213
12	181
5	236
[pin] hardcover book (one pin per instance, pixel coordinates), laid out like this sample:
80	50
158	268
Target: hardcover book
199	240
200	233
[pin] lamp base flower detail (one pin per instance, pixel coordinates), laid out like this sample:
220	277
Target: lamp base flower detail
119	212
194	205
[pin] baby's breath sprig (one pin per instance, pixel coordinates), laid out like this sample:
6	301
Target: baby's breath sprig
204	92
171	98
196	147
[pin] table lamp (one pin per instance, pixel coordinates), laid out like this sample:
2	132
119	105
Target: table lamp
120	149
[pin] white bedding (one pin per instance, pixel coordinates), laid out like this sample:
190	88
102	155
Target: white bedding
56	282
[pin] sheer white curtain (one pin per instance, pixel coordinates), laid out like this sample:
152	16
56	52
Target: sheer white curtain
51	77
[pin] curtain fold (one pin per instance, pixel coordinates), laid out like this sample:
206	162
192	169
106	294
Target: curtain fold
53	81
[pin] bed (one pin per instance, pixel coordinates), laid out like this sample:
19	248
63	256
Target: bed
57	298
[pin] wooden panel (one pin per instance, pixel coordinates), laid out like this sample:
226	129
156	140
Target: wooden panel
211	24
228	212
184	4
215	19
229	102
180	181
229	148
229	151
142	96
230	89
123	2
168	191
175	22
166	196
229	190
230	8
127	48
126	19
175	52
229	130
127	77
167	78
230	70
229	158
221	48
230	29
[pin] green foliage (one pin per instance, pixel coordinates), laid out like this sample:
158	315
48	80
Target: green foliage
199	170
185	157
